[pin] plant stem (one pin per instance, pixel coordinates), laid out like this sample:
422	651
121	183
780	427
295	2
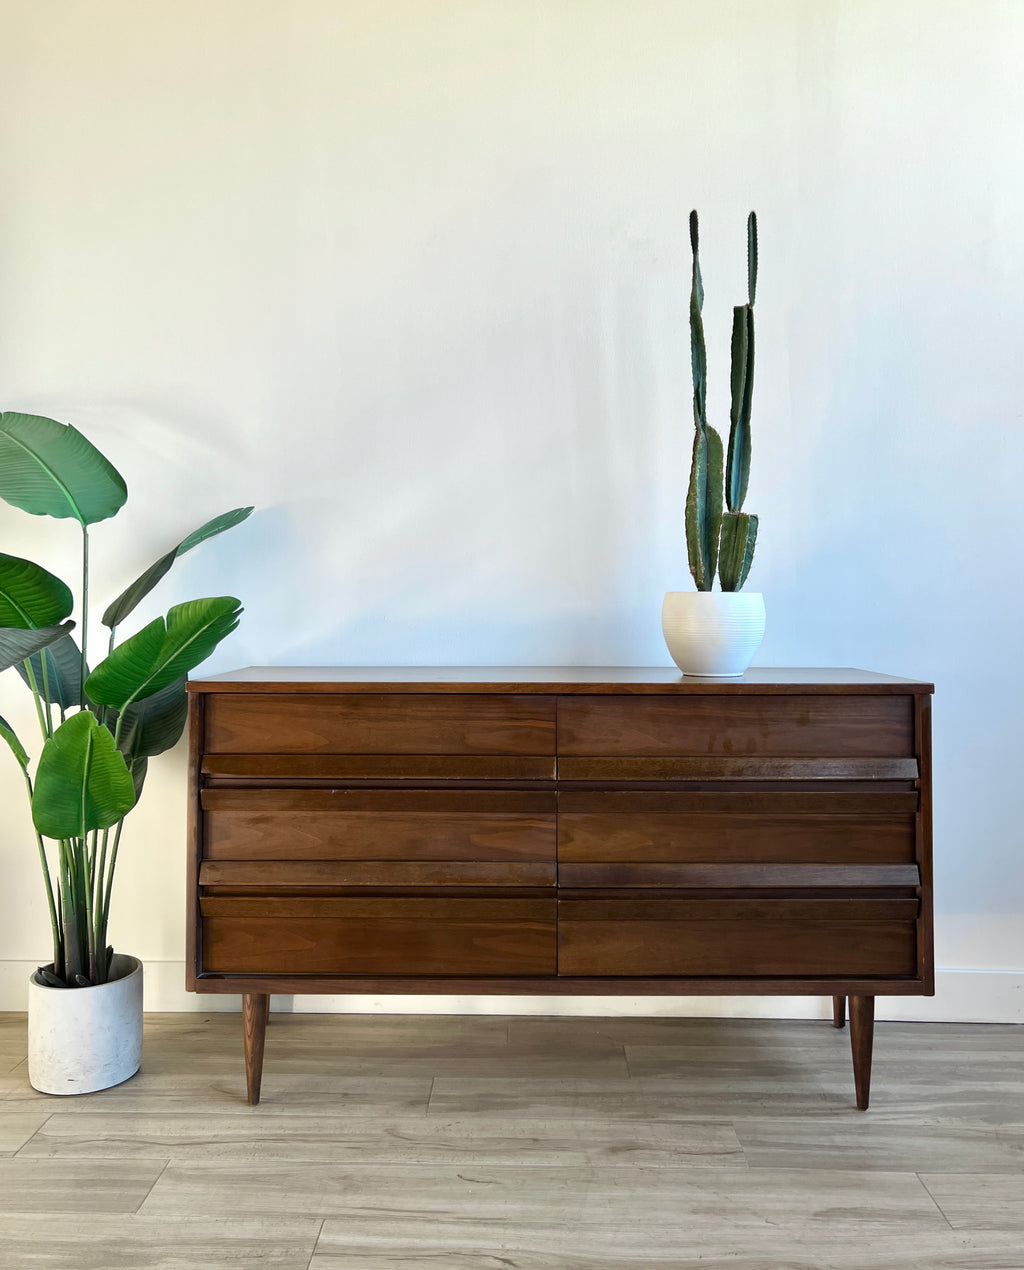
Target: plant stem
100	873
58	941
101	924
45	726
85	611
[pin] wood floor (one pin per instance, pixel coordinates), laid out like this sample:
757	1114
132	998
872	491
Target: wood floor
398	1143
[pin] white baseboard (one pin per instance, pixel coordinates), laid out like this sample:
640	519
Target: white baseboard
962	996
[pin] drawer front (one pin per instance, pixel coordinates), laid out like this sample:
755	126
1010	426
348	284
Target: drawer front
377	936
374	723
378	824
744	938
643	829
824	726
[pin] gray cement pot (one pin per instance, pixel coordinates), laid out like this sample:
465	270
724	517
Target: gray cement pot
84	1039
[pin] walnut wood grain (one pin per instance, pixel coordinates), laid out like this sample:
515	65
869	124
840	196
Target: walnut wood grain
616	680
734	837
839	1011
610	770
744	907
255	1009
347	723
714	876
296	770
278	875
862	1027
193	841
742	727
359	824
923	743
386	936
560	986
750	947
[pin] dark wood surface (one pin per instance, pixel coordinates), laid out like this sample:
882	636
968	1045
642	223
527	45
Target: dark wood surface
255	1008
560	830
361	824
379	723
737	727
556	679
862	1028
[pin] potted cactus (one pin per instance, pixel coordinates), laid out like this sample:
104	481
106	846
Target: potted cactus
98	730
709	632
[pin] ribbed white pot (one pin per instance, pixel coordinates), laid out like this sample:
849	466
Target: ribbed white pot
713	633
84	1039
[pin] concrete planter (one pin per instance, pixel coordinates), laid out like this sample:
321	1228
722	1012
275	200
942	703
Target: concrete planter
84	1039
713	633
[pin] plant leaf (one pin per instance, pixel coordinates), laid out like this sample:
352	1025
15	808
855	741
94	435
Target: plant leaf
49	469
162	651
153	724
82	782
139	769
62	686
30	596
17	644
17	749
145	582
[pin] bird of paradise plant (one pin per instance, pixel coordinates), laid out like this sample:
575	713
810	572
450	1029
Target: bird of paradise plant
98	727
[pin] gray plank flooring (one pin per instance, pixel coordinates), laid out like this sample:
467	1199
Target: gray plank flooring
484	1143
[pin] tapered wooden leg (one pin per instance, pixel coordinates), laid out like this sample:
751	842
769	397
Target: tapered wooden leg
838	1011
255	1008
862	1031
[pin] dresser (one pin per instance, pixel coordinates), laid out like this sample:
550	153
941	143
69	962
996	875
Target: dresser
567	831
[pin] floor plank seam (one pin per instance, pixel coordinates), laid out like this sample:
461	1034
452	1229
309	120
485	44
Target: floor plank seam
934	1201
316	1242
137	1211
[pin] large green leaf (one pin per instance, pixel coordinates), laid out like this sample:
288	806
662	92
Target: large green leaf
82	782
155	723
17	644
141	587
50	469
17	749
162	651
62	685
138	769
30	596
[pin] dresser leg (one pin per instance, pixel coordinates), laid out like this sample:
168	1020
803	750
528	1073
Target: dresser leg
838	1011
255	1008
862	1030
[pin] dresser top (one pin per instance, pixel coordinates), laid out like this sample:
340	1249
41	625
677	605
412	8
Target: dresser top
548	679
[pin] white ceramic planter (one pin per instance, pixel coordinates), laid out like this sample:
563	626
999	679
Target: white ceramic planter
713	633
84	1039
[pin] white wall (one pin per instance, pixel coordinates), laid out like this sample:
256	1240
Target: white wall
412	276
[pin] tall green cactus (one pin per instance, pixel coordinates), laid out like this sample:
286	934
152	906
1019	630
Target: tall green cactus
704	497
714	538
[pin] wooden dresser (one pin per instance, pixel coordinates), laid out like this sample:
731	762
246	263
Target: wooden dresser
570	830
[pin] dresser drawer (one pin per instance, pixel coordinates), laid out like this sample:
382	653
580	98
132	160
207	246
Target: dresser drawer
378	724
378	824
738	937
377	936
801	726
637	830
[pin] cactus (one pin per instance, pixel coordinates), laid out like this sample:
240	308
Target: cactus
715	539
704	497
